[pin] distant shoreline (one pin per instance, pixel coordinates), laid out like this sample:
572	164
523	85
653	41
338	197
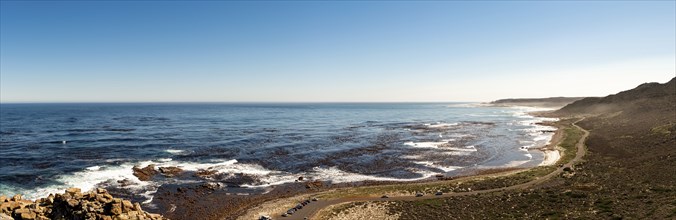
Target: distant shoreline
552	102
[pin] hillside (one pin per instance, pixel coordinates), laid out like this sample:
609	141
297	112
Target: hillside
628	171
646	97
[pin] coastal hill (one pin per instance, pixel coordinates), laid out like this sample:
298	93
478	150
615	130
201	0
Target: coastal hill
646	97
627	172
552	102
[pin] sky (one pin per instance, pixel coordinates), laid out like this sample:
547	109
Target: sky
213	51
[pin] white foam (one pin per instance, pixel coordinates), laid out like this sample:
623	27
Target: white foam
86	180
469	148
411	157
174	151
430	144
192	166
540	134
338	176
456	153
426	163
424	144
164	159
432	165
541	137
467	105
332	174
90	177
440	125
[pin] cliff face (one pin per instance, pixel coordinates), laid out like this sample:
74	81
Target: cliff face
646	98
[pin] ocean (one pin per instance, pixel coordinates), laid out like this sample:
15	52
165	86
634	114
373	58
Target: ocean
46	148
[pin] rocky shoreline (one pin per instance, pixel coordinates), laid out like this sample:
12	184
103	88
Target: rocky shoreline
212	195
73	204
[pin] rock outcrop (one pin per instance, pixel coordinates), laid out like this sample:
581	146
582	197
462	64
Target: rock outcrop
170	171
73	204
314	184
146	173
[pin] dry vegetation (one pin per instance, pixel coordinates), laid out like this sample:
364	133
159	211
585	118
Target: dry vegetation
359	210
629	173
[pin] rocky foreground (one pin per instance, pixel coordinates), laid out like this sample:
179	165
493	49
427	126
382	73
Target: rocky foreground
73	204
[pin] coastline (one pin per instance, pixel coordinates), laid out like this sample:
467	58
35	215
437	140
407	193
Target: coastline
226	203
217	202
551	152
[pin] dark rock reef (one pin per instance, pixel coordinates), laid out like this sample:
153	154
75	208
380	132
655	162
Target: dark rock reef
73	204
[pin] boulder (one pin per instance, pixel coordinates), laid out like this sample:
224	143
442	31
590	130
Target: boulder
127	206
202	173
72	203
146	173
314	184
28	216
9	206
100	198
115	208
125	182
50	199
170	171
4	216
73	191
137	206
122	217
211	185
21	211
239	179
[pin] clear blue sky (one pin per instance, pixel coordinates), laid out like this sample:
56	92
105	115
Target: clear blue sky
124	51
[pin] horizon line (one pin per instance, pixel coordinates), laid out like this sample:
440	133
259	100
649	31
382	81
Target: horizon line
242	102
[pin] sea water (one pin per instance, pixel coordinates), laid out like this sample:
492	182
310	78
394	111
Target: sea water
45	148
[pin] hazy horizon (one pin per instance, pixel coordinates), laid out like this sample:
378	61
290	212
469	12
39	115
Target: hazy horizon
329	52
